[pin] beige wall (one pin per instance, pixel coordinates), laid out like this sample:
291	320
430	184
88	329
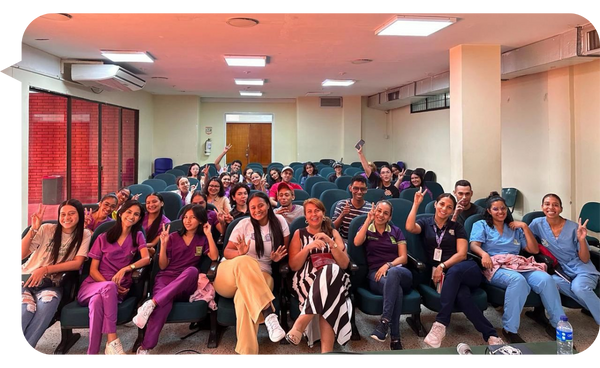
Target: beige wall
550	135
176	121
376	130
422	140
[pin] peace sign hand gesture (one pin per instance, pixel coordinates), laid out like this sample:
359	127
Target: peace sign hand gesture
401	174
207	229
370	215
38	217
205	170
87	217
164	235
582	230
419	194
193	188
227	147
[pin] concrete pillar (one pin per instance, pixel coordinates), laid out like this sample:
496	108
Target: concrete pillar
475	125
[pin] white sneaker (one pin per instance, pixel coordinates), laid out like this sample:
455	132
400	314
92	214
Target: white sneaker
141	351
436	335
143	313
276	333
494	340
114	348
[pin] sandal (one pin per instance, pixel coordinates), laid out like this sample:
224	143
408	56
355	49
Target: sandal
293	336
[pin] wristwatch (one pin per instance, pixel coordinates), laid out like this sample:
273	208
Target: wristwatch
443	266
132	266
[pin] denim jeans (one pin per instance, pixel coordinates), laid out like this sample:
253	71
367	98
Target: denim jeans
517	286
38	307
460	279
392	286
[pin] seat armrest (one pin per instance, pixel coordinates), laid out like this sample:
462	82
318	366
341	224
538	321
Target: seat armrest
67	276
418	265
138	274
284	268
211	274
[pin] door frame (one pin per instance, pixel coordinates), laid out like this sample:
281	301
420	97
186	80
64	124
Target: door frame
225	122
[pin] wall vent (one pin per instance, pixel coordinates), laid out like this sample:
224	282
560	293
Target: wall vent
331	102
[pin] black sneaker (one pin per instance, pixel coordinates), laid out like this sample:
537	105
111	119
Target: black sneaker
381	331
395	344
512	338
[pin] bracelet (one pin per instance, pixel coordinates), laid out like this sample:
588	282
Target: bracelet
390	265
34	231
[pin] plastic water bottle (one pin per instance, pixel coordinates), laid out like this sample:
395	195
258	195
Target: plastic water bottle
564	336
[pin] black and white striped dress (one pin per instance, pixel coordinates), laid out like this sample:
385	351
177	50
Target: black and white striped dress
325	292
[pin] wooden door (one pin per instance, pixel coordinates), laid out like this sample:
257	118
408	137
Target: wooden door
251	142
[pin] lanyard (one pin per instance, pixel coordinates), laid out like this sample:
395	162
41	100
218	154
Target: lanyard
439	238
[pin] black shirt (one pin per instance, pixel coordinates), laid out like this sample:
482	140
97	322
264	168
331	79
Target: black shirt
465	214
448	244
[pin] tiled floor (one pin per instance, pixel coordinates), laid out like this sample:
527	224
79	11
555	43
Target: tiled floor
460	330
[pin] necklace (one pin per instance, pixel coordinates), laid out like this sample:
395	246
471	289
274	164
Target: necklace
557	229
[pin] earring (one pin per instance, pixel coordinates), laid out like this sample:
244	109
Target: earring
306	222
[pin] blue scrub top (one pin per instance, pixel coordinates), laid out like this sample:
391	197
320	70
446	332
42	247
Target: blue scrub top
510	242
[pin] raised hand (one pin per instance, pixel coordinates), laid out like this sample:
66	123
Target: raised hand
582	229
207	229
87	216
38	217
401	174
241	245
359	150
136	197
277	255
205	170
370	215
225	168
227	147
346	209
164	235
193	188
419	194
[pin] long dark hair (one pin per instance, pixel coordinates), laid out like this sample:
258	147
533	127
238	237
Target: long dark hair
420	172
270	179
155	227
308	163
487	216
75	241
236	187
274	227
221	187
114	233
189	173
199	213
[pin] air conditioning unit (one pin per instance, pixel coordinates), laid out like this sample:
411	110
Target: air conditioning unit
106	77
331	102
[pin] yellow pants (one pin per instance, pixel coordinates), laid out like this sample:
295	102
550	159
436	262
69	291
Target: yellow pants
241	278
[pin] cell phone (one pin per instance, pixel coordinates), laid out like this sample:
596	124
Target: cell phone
359	144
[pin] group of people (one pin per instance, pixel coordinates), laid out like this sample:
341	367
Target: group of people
316	254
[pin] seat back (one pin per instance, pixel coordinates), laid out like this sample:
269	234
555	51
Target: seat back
168	178
330	196
170	188
156	184
297	223
144	189
162	164
343	182
176	172
532	215
310	181
510	197
194	181
409	194
320	187
327	161
351	171
185	168
358	255
430	176
326	171
274	165
481	202
357	164
301	195
256	167
43	222
430	207
379	164
469	223
435	188
296	165
374	195
591	212
172	204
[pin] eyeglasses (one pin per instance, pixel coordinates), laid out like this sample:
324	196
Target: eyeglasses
359	189
214	186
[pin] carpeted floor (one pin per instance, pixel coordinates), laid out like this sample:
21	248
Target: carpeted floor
460	330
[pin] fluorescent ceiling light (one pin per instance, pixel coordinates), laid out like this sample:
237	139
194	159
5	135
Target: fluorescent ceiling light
413	26
127	56
246	60
249	82
337	82
250	93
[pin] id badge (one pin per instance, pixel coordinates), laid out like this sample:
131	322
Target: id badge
199	251
437	254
